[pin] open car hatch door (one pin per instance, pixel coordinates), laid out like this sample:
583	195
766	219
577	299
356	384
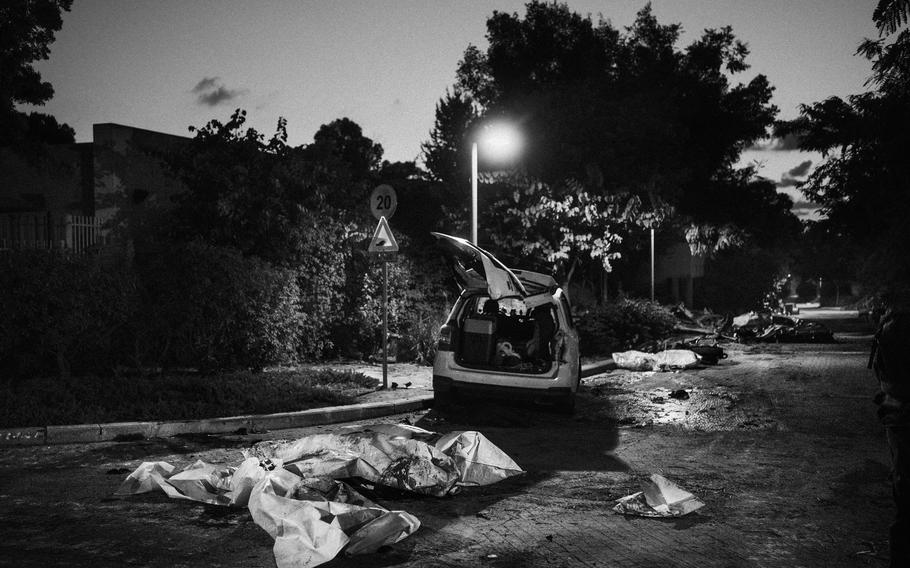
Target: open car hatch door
476	269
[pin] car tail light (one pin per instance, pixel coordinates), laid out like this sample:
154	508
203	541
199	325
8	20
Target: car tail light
445	338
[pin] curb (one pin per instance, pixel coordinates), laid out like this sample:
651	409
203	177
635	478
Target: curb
121	431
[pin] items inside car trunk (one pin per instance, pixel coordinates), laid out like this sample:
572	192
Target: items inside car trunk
506	335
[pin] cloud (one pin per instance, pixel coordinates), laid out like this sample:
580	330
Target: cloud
210	91
806	210
778	144
792	177
206	83
800	170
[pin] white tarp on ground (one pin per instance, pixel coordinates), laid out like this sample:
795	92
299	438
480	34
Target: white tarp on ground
662	361
293	493
660	498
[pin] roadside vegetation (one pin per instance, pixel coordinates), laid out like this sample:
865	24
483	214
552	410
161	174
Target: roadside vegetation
174	396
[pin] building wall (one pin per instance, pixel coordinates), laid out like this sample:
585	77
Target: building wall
38	191
127	170
40	194
677	272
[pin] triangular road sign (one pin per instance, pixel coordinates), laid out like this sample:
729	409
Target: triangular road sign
383	239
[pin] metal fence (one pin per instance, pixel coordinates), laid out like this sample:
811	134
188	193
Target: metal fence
39	231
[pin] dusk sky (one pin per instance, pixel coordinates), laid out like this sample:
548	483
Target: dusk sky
167	64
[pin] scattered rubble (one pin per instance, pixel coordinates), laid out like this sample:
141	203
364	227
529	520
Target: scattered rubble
763	326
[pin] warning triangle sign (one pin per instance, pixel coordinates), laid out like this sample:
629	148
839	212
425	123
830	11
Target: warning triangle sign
383	240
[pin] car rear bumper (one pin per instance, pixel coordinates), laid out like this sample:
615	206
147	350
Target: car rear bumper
448	386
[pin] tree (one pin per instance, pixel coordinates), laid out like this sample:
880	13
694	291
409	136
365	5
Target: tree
349	158
616	122
27	29
442	152
863	185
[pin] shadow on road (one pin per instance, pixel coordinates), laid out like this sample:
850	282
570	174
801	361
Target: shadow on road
538	438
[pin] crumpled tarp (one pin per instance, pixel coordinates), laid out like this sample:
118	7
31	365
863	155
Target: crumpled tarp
293	488
664	360
660	498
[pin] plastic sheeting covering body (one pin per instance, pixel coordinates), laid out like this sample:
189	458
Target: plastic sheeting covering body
661	361
294	491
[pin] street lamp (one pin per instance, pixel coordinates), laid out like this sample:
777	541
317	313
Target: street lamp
500	141
652	262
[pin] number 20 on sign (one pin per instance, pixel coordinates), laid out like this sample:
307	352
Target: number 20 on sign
383	201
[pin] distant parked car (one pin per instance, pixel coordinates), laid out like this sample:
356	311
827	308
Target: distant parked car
509	334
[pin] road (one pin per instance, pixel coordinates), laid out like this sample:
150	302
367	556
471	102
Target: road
779	441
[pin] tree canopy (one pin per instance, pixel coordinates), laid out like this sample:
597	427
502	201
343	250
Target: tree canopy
622	128
863	185
27	28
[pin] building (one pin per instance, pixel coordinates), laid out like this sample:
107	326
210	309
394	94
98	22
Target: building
677	274
67	196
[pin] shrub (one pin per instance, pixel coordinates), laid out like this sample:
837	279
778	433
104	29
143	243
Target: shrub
622	325
183	396
417	304
62	313
210	308
322	275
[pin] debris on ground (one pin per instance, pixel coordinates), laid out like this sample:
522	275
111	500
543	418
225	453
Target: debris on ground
659	498
706	323
762	326
295	490
758	325
679	394
670	359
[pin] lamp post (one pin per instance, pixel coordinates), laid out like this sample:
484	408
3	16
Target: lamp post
474	192
500	141
652	263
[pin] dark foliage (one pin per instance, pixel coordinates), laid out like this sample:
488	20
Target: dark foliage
27	28
863	185
210	308
186	396
62	314
737	280
623	130
623	325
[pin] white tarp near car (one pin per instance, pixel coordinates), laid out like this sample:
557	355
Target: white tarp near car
669	359
293	488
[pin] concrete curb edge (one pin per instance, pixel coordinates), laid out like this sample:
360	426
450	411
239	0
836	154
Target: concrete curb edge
90	433
114	431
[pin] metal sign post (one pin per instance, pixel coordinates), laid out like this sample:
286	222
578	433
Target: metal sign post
385	325
385	247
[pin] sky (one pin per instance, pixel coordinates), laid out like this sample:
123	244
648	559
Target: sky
166	65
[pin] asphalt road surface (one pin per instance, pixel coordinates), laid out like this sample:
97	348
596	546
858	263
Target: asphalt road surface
780	442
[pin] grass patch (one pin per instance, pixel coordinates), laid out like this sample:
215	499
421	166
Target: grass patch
185	396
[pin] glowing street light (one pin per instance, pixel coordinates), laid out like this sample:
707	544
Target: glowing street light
500	141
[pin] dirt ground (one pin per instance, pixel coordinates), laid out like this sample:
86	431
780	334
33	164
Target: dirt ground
779	441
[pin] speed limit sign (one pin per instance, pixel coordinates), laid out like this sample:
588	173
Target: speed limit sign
383	201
